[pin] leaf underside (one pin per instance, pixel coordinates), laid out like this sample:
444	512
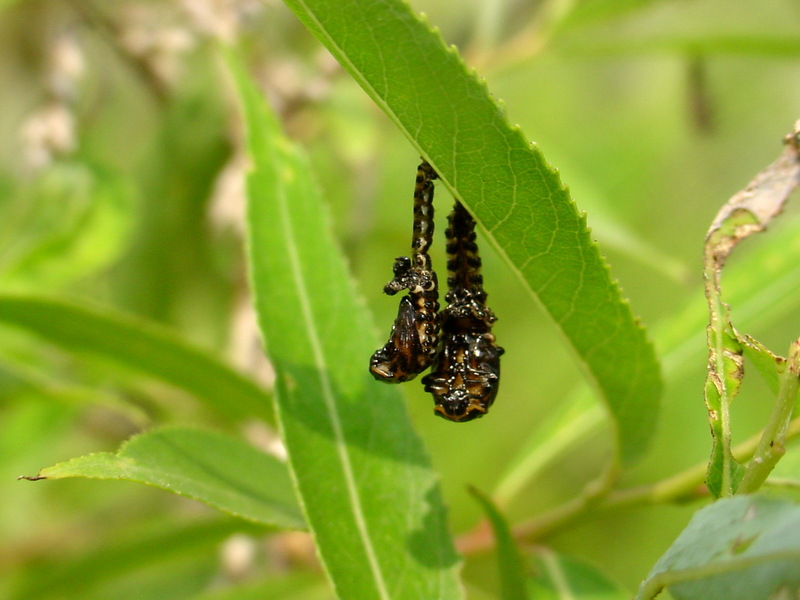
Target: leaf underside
526	212
738	548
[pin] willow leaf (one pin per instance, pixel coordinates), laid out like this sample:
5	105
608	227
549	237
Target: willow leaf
526	212
737	548
365	483
509	561
211	467
139	345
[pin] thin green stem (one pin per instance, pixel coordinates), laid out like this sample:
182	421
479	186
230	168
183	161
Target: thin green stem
718	407
684	486
591	495
687	484
771	446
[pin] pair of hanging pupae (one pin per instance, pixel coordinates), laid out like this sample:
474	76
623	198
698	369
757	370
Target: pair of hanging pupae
456	342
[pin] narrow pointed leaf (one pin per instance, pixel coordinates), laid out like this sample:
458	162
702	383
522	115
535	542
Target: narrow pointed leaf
365	482
141	346
214	468
512	573
526	212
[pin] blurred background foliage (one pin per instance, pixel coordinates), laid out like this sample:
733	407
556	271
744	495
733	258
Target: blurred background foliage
121	186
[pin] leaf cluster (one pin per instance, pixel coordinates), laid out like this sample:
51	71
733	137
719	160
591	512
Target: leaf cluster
189	269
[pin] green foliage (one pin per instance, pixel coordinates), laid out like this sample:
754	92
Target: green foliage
509	563
384	534
132	277
746	213
517	197
740	548
213	468
138	345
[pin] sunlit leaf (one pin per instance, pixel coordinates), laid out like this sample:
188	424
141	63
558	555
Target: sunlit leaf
214	468
366	485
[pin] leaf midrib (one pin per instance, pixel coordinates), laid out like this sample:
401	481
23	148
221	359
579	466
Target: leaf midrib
327	391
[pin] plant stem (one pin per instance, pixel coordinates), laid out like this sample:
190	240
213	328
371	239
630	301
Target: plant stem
724	368
593	494
684	486
771	447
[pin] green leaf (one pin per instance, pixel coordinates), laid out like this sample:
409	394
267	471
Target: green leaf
139	345
512	574
525	210
768	364
772	444
560	577
746	213
365	481
742	548
722	385
214	468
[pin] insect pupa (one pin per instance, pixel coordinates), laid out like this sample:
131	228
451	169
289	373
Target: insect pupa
414	339
465	375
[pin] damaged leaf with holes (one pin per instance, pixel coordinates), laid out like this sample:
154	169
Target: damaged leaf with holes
746	213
